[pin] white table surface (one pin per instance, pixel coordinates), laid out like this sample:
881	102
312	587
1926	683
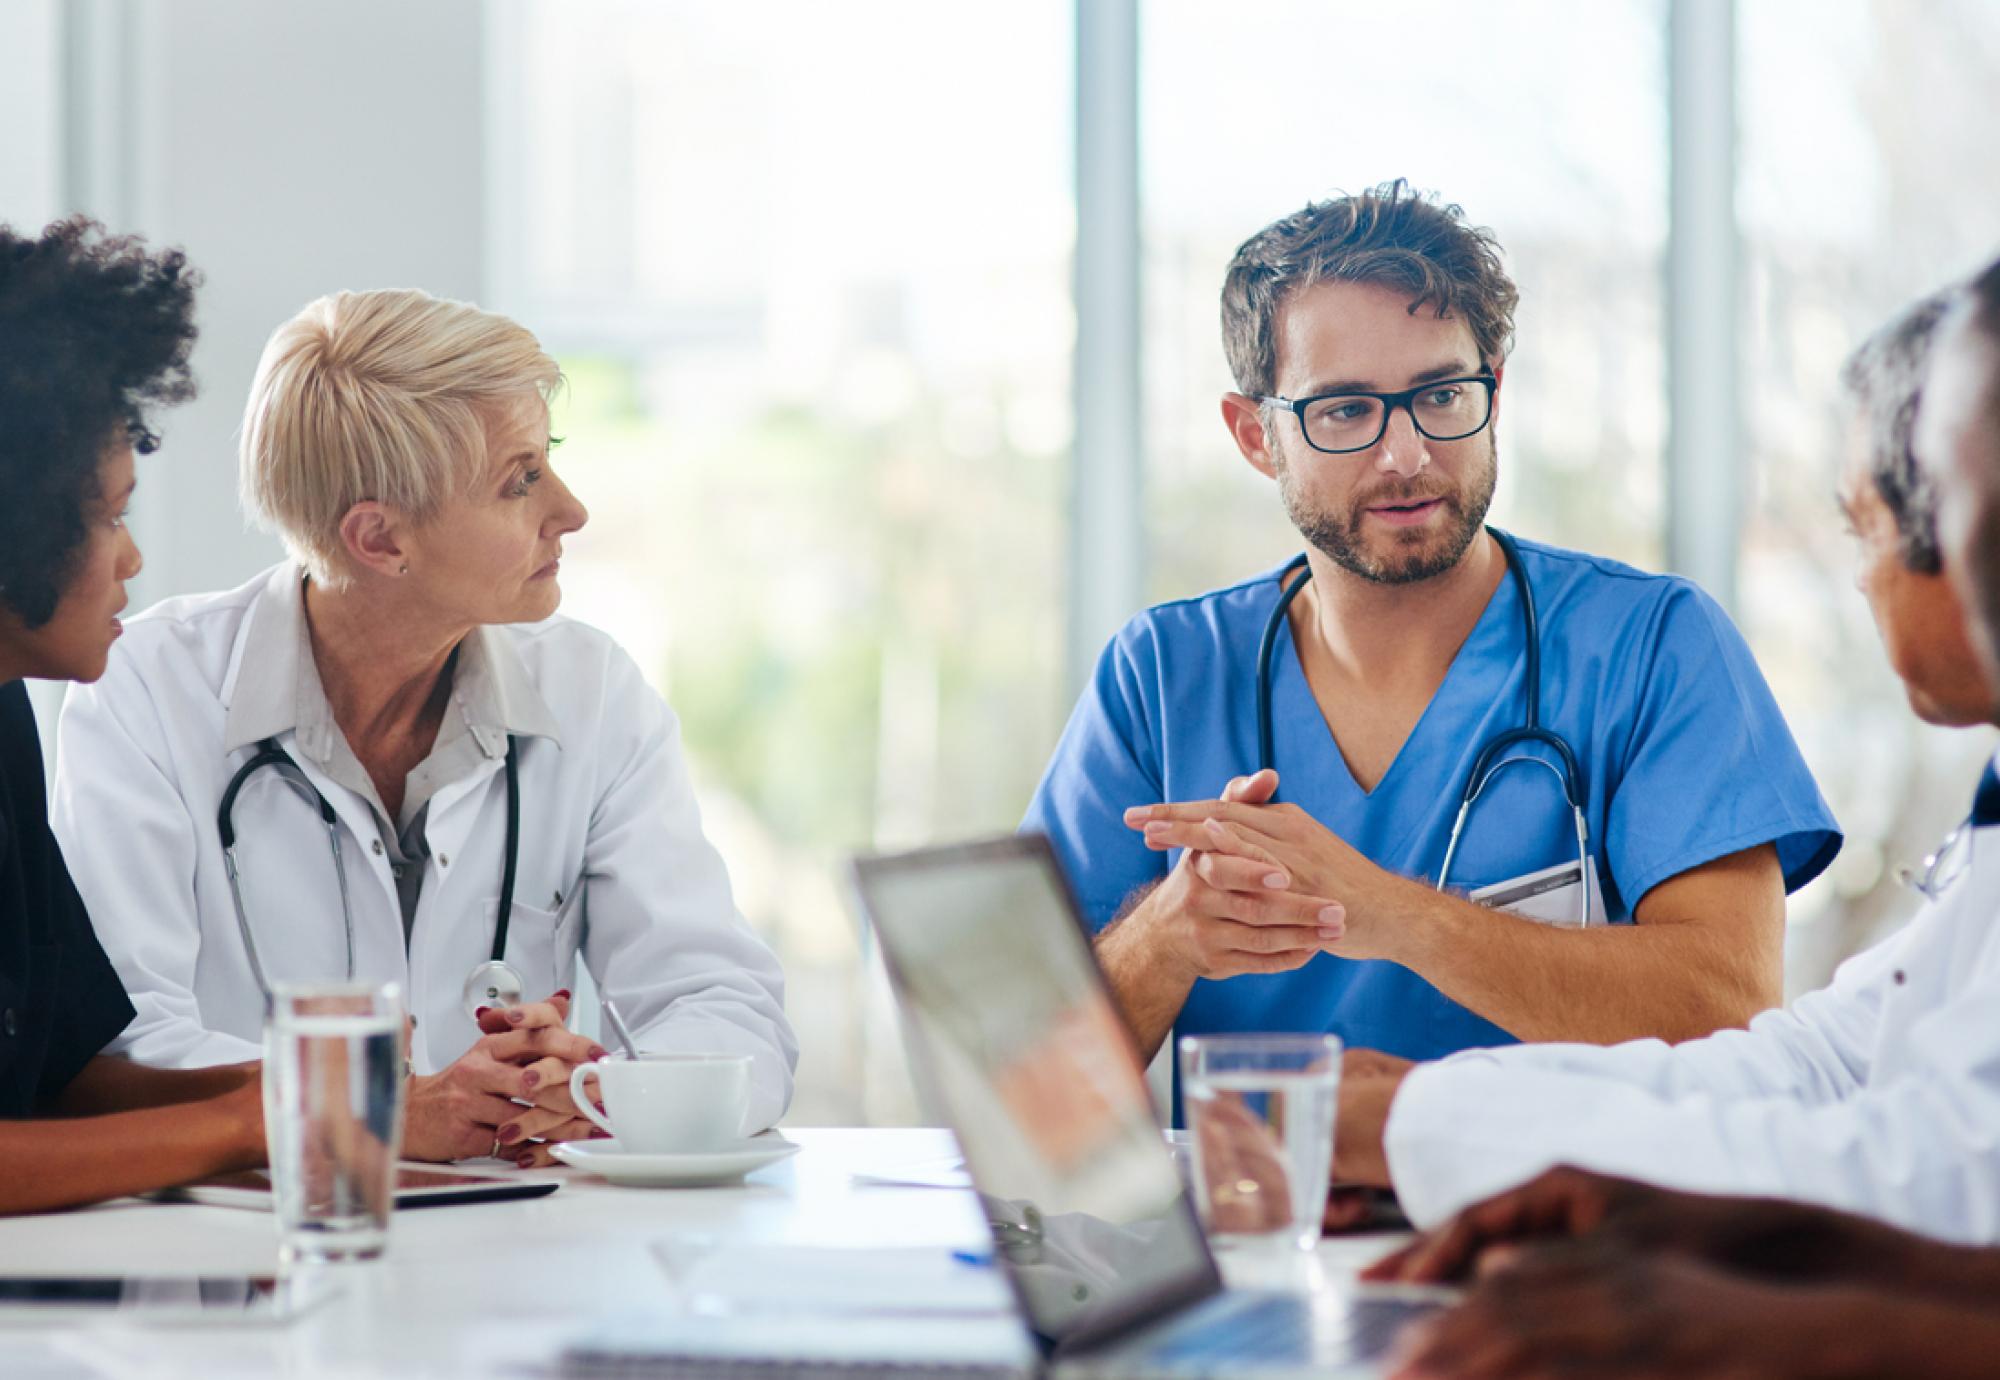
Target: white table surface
490	1289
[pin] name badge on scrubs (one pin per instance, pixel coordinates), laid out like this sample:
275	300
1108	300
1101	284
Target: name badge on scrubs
1548	897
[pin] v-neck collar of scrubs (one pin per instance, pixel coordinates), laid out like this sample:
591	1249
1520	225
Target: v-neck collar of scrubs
1478	670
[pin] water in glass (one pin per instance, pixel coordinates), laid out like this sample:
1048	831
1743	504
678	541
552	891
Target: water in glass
1260	1113
333	1114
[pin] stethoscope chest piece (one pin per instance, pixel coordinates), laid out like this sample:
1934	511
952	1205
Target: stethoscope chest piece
493	983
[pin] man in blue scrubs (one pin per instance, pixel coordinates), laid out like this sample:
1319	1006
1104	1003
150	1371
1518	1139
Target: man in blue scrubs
1368	336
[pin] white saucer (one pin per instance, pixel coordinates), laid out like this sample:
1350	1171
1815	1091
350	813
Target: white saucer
621	1166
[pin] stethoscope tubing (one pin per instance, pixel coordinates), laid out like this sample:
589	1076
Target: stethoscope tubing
269	754
1488	762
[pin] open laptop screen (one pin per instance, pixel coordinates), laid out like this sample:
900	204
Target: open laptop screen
1013	1031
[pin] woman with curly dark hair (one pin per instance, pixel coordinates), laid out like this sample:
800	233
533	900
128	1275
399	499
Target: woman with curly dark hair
93	332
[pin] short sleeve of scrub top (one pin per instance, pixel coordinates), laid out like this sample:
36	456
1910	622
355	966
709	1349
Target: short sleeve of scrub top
60	999
1684	755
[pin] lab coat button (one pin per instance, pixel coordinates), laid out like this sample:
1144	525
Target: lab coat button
376	845
443	861
1900	979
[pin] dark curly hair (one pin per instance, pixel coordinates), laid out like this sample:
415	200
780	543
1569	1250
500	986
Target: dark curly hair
93	331
1388	235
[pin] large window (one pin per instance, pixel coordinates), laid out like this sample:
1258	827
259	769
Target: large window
1869	175
1543	120
806	267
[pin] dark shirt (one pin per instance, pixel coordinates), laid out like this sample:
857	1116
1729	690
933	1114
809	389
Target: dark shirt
60	999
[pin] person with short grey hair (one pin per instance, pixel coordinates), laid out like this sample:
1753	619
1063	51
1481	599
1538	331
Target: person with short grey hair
1959	439
1606	1276
1883	377
1878	1094
1890	504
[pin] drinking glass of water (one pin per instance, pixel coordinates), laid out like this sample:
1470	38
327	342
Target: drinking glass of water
1260	1123
333	1116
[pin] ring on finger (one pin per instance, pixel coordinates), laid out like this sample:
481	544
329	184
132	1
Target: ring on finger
494	1153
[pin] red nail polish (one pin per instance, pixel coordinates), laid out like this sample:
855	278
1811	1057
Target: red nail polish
562	992
599	1052
480	1012
599	1133
526	1161
510	1133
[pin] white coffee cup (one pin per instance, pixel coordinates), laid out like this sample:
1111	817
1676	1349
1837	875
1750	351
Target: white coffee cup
664	1104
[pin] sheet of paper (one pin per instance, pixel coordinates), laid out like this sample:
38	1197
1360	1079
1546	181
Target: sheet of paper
758	1278
944	1173
1550	896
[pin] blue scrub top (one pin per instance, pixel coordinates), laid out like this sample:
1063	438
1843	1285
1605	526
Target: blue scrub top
1684	756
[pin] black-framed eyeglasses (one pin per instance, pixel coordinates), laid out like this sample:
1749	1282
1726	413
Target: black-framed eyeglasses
1442	410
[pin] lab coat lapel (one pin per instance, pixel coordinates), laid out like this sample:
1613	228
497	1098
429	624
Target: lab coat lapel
454	810
357	820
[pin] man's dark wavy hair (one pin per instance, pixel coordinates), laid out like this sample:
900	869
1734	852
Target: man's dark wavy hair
94	331
1389	235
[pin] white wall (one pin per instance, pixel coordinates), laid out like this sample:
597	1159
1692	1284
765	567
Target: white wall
30	96
292	150
31	157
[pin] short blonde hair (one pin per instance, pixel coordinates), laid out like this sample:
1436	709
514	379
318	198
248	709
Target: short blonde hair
376	395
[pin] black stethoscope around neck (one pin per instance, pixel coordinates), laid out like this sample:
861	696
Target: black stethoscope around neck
1491	760
495	982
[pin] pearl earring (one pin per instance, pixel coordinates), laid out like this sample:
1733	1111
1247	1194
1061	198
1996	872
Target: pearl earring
403	570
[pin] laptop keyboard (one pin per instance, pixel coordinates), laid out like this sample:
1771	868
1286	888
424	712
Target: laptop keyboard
1283	1328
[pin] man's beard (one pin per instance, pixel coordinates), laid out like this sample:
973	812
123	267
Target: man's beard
1414	554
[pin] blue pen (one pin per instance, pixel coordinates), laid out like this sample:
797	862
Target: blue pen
979	1258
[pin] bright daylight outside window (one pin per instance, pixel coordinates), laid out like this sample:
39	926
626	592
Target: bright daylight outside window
1869	175
812	290
1546	121
810	286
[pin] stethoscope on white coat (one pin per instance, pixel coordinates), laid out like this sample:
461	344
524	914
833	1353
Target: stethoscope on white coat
495	982
1484	766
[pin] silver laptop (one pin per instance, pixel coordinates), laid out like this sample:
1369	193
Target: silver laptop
1014	1035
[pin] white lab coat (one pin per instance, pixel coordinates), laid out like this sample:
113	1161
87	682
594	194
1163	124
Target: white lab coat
1879	1094
613	862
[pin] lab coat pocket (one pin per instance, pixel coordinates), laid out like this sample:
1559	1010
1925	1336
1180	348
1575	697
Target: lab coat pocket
569	934
531	947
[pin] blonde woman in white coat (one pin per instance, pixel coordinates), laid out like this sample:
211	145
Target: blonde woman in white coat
391	668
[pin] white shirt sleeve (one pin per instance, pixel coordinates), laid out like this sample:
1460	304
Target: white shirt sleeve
1785	1108
662	935
130	844
1817	1050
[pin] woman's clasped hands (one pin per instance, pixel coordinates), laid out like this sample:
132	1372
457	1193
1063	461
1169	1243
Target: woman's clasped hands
506	1096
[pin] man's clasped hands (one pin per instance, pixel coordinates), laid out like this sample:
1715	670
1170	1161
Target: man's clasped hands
1261	886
